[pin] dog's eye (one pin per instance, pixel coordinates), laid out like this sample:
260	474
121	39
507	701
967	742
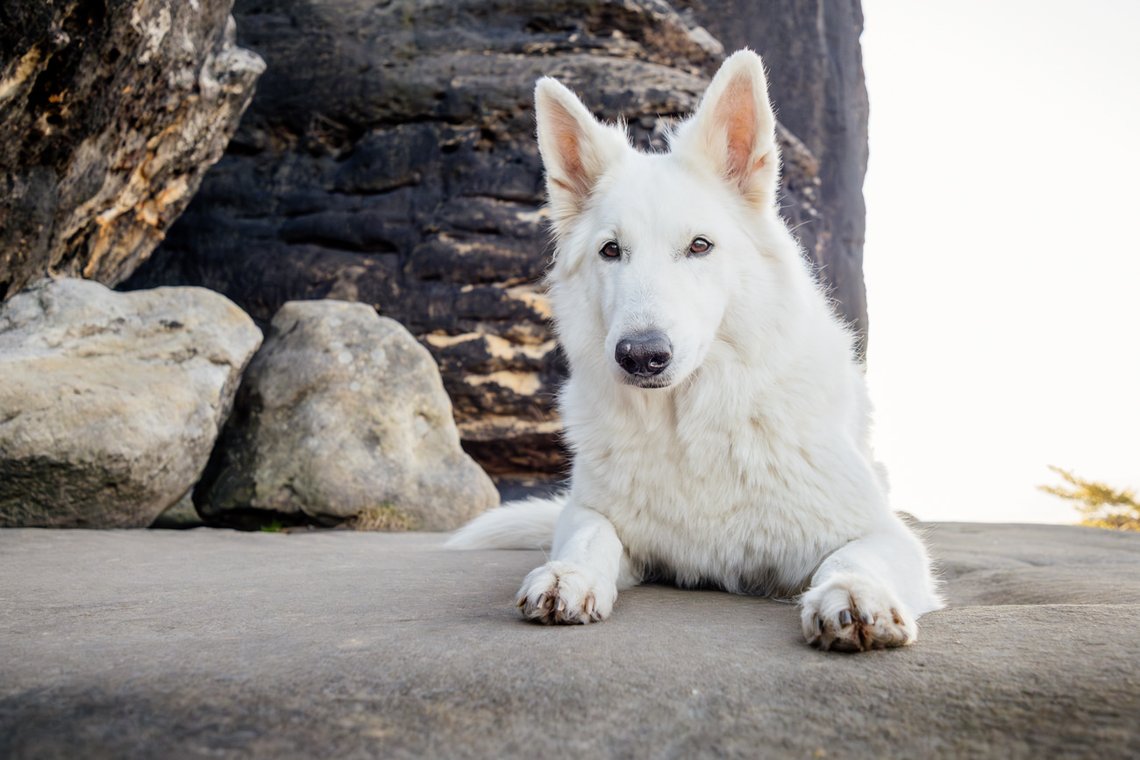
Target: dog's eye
700	246
611	250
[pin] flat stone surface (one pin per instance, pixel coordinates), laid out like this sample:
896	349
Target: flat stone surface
338	644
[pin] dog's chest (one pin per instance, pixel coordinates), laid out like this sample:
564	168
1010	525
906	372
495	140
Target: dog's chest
740	504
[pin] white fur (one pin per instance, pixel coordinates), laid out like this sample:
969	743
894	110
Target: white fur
751	470
525	524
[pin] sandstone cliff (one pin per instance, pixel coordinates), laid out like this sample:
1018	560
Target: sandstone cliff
110	113
389	158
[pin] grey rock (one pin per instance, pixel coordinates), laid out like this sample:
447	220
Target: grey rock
341	644
389	158
110	403
110	113
181	516
343	416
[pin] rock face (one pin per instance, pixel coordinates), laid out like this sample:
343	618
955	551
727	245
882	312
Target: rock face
389	158
342	416
110	112
111	402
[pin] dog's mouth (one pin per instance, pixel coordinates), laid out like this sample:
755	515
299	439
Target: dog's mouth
642	381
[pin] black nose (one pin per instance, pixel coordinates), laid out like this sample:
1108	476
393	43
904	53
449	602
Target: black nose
644	354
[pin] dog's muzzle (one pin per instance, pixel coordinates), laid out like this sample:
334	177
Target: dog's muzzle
644	355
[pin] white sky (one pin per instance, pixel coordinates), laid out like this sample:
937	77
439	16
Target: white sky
1002	258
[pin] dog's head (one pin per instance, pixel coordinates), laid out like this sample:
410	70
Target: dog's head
651	249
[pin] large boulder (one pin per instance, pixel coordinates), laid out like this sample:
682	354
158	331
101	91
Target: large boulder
110	403
342	416
389	158
110	113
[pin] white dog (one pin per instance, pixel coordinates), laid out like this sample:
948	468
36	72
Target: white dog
718	420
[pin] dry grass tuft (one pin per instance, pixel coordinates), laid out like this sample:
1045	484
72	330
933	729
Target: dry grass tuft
385	518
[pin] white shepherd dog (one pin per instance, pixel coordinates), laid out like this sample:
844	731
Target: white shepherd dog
718	419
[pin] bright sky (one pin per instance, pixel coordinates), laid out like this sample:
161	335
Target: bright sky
1003	250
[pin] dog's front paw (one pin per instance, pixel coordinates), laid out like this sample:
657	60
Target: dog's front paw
847	613
560	592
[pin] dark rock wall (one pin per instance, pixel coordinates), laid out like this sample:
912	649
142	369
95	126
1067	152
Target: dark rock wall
389	158
110	113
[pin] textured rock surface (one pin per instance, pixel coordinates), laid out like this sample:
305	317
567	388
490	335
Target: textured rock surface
389	158
342	415
111	402
343	644
181	516
110	112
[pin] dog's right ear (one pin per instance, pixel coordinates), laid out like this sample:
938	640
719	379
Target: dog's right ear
734	130
575	148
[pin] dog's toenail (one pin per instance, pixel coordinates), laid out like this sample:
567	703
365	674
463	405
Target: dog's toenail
845	618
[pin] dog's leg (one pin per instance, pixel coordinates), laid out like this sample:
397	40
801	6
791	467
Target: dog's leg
868	593
580	582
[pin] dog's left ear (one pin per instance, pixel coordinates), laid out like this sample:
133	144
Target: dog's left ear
576	148
734	129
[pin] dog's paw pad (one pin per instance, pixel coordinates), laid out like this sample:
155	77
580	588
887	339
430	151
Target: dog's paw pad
854	615
562	593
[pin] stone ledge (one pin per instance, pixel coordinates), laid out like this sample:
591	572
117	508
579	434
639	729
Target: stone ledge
339	644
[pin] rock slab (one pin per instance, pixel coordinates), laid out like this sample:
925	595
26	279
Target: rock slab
342	416
209	643
110	113
110	403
